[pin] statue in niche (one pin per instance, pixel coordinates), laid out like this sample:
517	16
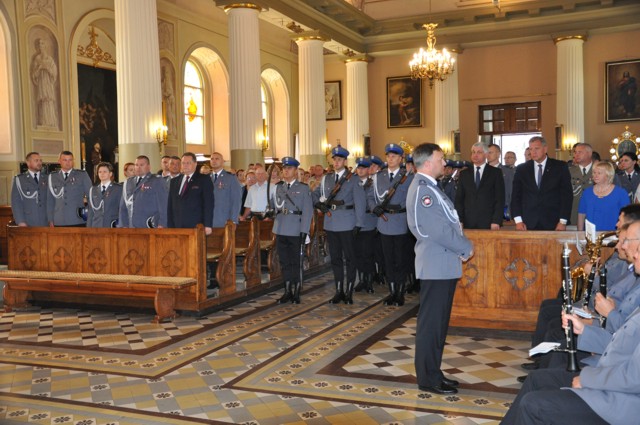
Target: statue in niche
169	99
44	76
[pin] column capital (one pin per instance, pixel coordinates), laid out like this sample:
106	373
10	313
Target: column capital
358	58
557	38
234	4
310	35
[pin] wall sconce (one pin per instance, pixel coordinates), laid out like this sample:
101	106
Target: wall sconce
327	149
265	136
161	136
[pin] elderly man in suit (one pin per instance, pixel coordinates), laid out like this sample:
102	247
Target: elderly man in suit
390	206
580	172
294	211
480	194
104	198
227	192
343	202
541	197
144	198
190	197
29	194
440	249
67	190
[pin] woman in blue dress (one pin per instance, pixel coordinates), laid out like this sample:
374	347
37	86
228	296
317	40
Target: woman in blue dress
601	203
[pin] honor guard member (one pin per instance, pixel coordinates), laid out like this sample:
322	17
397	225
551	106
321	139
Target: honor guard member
68	189
343	202
387	200
379	275
29	194
294	210
365	239
104	199
144	198
409	164
440	249
227	193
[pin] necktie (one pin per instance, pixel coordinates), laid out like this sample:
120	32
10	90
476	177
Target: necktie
477	177
184	186
138	181
628	175
390	177
288	186
35	177
337	178
215	177
539	175
104	189
584	171
66	175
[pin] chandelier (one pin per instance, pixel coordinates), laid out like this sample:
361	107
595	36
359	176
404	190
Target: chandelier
431	63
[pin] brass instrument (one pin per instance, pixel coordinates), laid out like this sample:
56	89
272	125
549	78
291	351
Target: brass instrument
593	251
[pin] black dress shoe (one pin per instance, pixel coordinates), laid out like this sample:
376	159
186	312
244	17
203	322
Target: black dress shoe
441	388
529	366
521	378
450	382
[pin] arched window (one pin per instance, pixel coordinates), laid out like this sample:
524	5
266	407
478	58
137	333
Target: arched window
194	105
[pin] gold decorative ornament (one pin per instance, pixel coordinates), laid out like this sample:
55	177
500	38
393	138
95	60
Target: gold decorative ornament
93	51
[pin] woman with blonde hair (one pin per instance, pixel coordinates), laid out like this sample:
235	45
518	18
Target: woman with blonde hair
600	203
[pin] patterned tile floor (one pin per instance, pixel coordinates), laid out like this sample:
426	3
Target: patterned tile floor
255	363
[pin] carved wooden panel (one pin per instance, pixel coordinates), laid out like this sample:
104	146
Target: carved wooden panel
64	251
133	255
251	265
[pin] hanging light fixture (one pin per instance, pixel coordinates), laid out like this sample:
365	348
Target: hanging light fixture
431	63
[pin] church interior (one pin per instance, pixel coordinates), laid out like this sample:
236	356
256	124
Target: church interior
258	81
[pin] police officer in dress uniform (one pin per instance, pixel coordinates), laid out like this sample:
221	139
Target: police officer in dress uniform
67	191
392	221
104	199
440	249
365	239
379	276
29	194
227	193
144	198
343	216
412	284
294	209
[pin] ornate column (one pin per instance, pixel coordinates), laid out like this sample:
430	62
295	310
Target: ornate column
447	114
138	80
245	112
357	104
570	89
313	127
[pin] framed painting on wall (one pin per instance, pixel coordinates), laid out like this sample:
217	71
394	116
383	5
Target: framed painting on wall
404	102
622	98
333	100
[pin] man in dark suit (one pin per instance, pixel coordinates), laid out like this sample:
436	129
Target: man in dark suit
480	194
542	194
190	197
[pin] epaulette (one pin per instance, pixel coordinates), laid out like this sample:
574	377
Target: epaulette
280	182
422	182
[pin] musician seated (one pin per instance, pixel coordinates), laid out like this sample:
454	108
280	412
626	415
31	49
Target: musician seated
617	270
608	392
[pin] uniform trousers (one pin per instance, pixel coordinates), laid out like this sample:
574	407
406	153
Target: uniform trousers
378	255
394	248
365	251
289	255
436	300
541	401
341	244
549	317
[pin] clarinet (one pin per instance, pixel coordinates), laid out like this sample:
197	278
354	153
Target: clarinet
587	290
603	291
572	364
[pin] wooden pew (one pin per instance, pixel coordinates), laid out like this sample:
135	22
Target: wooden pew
166	266
247	246
221	251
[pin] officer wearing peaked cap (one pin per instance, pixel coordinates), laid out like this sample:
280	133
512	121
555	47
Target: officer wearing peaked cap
343	202
387	199
440	249
294	210
379	276
365	239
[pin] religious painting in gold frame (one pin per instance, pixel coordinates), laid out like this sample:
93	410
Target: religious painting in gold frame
404	102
